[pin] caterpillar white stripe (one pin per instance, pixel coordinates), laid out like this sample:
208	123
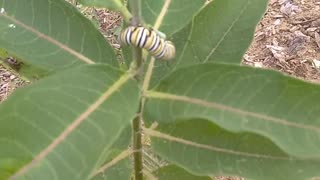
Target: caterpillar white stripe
148	39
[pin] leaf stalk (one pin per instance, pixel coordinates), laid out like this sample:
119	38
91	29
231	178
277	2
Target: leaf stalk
127	16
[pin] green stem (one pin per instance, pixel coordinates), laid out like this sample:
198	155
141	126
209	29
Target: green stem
127	16
137	146
137	57
137	52
136	12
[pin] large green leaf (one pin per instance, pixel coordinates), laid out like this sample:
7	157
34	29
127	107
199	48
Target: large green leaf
117	165
177	13
172	172
203	148
110	4
65	126
51	34
221	32
265	102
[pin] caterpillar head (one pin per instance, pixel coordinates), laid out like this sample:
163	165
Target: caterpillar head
170	51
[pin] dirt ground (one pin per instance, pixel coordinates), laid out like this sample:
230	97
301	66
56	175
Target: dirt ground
9	81
288	40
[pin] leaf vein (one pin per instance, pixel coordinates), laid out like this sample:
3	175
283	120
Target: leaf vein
161	135
83	116
213	105
227	32
49	39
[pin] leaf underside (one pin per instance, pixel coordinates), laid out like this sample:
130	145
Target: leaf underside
239	98
253	106
172	172
51	35
178	13
209	150
220	32
35	116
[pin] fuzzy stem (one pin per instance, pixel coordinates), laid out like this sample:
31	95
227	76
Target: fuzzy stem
137	57
136	11
137	146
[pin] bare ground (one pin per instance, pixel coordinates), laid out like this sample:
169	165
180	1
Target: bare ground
288	40
9	81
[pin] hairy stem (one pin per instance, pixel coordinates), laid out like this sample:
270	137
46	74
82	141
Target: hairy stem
137	57
137	52
136	12
137	146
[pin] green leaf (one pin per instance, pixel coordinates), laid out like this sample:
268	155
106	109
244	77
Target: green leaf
67	123
203	148
121	171
178	13
172	172
3	53
117	165
221	32
237	98
109	4
51	34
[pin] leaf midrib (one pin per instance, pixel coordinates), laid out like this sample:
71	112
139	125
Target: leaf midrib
160	135
218	106
227	32
75	123
188	42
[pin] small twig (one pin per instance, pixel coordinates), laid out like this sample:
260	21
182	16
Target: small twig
304	21
111	24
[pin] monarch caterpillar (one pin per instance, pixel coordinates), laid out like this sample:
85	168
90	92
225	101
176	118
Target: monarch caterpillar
148	39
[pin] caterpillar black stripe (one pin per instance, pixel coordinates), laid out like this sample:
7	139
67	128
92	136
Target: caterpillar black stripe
148	39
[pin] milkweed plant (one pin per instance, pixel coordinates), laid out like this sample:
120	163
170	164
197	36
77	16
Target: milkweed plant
179	105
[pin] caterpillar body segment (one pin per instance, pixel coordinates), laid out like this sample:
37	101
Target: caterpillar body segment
149	40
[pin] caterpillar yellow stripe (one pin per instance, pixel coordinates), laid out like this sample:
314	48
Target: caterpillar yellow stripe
148	39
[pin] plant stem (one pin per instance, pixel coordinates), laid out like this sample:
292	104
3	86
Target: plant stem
136	11
137	57
135	21
137	147
137	52
127	16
